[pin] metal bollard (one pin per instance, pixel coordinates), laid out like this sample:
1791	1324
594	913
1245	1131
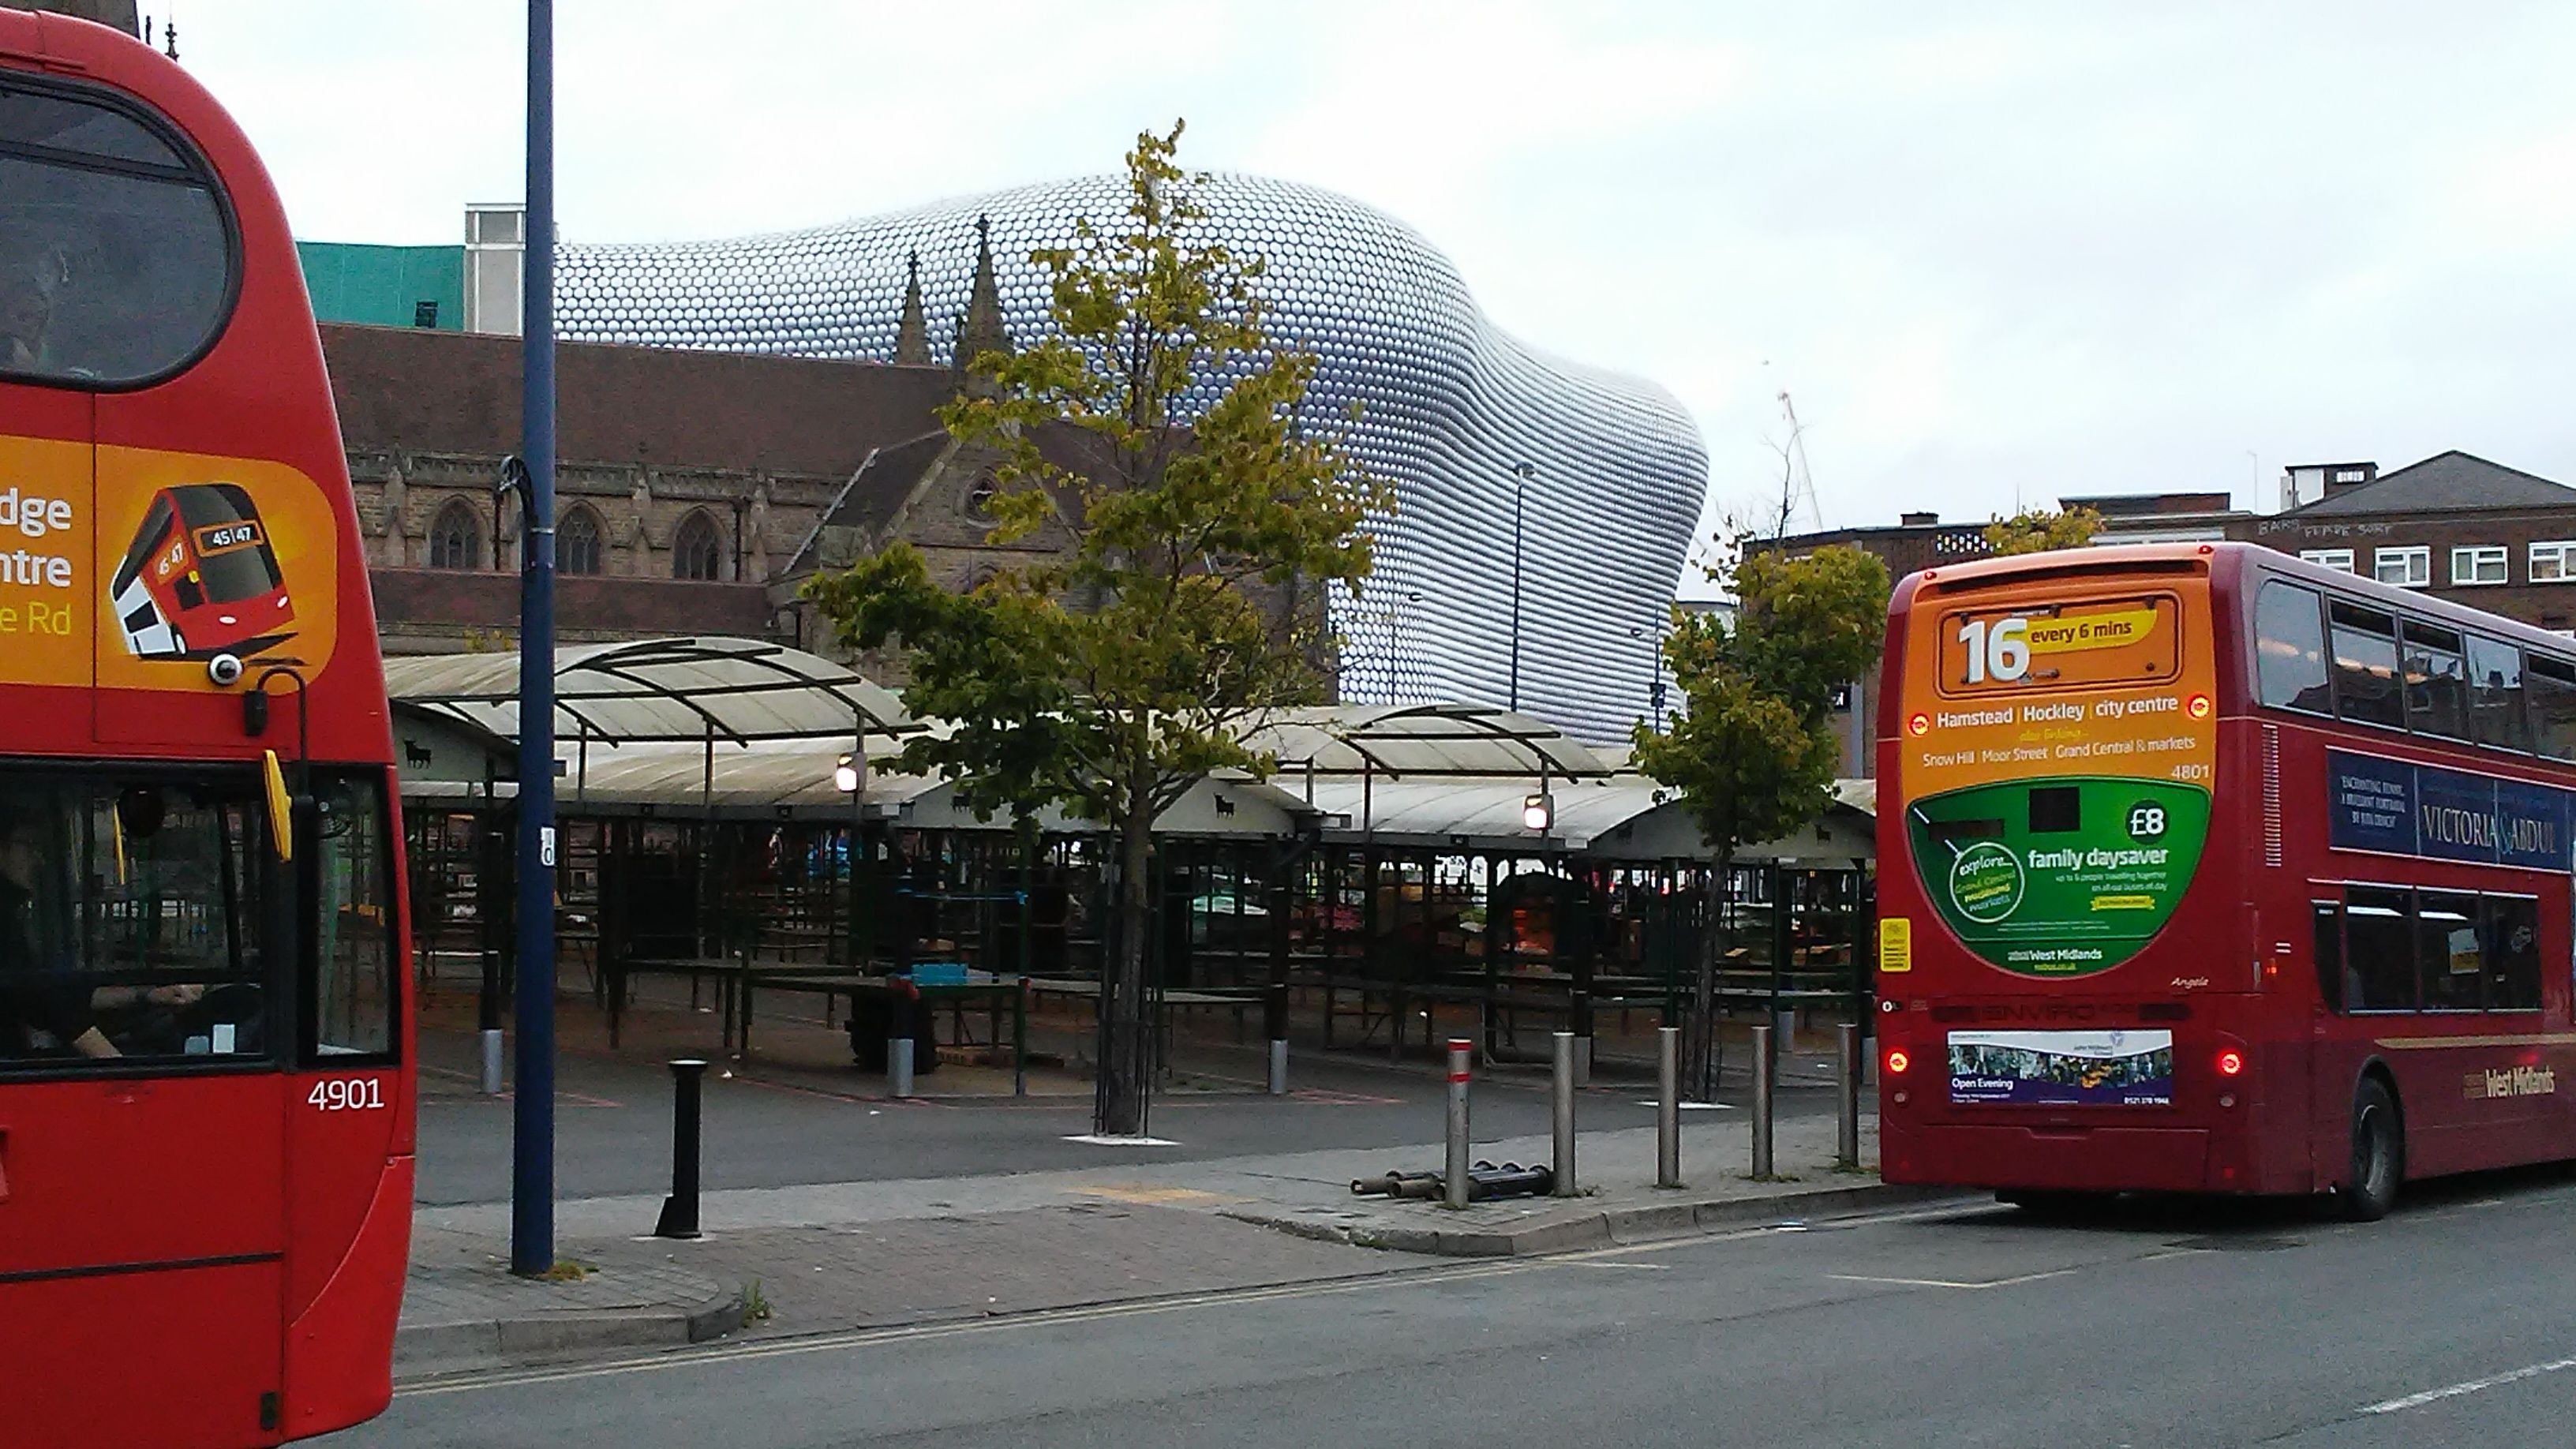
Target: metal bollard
899	1043
1274	1015
488	1012
1564	1166
680	1209
1762	1063
1668	1106
1847	1095
1456	1179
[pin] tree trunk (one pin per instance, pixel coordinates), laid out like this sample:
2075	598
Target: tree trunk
1700	1071
1126	1016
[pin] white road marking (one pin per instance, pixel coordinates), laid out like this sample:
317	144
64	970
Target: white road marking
2471	1386
1950	1283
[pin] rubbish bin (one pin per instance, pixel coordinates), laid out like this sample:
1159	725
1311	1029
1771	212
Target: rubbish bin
872	1022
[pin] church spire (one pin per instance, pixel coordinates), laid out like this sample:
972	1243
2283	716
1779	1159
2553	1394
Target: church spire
912	335
982	329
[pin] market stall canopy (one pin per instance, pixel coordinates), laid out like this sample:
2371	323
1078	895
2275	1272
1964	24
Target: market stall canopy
1399	741
658	690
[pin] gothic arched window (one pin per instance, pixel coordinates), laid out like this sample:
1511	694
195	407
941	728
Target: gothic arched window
456	539
698	551
577	542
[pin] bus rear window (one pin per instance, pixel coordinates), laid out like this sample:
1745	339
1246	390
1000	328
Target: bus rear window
2133	640
115	255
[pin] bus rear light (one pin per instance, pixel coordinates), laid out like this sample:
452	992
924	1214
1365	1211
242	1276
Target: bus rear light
1898	1061
2231	1063
1900	1099
2227	1099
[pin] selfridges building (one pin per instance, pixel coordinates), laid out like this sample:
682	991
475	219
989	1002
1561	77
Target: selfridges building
1449	409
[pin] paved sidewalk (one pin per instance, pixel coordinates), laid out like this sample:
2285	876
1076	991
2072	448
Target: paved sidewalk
822	1257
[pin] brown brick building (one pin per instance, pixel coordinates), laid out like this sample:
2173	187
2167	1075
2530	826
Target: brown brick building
695	491
2454	525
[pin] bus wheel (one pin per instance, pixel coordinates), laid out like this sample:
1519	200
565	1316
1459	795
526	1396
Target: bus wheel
2378	1153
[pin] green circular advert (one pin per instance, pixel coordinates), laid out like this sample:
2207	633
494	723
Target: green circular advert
1985	882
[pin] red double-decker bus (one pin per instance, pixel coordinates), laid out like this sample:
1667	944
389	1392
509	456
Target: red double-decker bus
205	1111
2204	869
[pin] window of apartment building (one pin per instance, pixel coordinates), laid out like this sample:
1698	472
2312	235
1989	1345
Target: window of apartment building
2553	562
2410	568
2333	558
2477	564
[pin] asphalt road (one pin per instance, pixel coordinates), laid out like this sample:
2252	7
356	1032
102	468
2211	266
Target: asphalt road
779	1126
2450	1323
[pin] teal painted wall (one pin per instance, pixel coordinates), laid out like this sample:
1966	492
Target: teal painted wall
384	286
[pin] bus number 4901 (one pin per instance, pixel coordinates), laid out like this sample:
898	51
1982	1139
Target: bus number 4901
347	1094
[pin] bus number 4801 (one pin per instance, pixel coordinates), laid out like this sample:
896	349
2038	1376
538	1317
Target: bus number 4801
347	1094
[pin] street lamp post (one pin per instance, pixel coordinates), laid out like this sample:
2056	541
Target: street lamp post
850	777
1654	695
1395	641
532	1167
1521	474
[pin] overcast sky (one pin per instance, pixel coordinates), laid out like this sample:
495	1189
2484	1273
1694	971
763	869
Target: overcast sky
1995	253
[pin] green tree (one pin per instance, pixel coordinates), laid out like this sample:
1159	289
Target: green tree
1754	752
1110	677
2037	530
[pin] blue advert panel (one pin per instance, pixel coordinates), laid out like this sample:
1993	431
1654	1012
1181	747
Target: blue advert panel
2397	808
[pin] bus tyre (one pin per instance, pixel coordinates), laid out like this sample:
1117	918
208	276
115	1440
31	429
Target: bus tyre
2378	1153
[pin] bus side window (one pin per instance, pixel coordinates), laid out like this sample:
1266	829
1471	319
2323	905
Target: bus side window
2513	954
2437	692
2551	686
2452	967
2326	922
2495	696
2379	950
2365	665
2290	648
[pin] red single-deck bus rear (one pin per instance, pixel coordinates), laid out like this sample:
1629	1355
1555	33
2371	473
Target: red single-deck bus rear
205	1110
2204	869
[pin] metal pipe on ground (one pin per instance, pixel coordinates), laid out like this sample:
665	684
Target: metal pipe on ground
1762	1066
1459	1074
1564	1103
1274	1016
899	1043
488	1018
680	1209
1847	1096
1668	1107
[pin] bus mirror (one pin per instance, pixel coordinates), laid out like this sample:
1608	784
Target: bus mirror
281	821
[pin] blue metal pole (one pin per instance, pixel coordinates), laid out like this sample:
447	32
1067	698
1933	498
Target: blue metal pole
532	1175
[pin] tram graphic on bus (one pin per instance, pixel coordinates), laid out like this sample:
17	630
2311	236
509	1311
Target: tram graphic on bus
200	578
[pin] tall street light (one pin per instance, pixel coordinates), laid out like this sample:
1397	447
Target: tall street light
1522	473
850	777
1654	696
532	1165
1395	640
